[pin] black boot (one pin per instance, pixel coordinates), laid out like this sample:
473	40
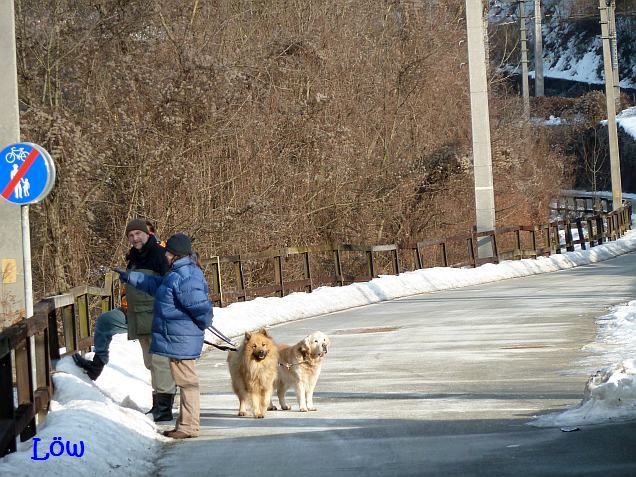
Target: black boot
163	410
93	368
153	409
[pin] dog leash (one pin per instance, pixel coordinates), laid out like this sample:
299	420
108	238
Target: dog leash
222	337
290	365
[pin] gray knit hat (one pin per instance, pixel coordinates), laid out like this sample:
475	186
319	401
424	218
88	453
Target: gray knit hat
179	245
137	224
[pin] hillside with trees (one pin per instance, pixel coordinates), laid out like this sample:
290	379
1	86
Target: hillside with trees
258	123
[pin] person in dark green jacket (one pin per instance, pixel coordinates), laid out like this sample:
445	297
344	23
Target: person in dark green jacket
148	257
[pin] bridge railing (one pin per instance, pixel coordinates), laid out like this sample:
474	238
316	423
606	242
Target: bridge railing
60	325
305	268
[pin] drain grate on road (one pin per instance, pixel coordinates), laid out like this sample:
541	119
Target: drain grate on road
358	331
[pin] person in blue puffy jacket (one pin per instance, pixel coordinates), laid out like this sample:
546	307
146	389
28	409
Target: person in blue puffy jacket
182	312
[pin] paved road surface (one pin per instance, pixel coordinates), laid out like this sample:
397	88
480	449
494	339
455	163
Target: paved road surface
437	384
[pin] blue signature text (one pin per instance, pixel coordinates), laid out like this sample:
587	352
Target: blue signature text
58	448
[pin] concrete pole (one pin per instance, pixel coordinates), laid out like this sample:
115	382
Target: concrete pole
12	296
482	162
611	12
538	50
615	164
525	85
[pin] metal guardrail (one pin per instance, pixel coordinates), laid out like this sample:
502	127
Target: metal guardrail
67	317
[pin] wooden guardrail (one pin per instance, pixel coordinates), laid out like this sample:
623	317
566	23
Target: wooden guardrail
304	268
62	320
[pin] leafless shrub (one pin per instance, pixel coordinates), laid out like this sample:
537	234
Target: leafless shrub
255	124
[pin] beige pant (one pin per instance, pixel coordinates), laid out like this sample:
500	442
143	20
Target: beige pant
185	375
159	366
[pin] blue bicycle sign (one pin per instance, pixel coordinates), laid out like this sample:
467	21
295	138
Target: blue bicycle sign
27	173
16	153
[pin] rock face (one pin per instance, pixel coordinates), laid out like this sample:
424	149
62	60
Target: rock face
572	40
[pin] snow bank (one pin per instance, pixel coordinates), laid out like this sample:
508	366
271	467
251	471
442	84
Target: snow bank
237	318
117	438
610	393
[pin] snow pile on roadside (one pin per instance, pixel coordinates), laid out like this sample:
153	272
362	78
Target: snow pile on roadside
117	440
610	393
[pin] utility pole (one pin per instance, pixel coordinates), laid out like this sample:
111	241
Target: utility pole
615	165
525	85
482	161
538	50
611	15
12	276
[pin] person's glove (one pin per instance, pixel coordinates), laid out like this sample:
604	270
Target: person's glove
123	274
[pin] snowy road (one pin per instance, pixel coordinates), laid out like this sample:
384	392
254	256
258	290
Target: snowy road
441	383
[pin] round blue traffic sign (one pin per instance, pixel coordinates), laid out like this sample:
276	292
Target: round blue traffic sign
27	173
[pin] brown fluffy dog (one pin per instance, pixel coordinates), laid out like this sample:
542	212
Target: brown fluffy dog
253	369
299	368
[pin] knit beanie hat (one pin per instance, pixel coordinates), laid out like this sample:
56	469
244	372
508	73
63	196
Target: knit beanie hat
179	245
137	224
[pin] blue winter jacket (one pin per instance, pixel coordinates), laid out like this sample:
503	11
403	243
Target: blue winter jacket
182	309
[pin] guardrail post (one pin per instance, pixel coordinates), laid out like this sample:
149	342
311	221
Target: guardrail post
216	279
396	262
24	384
6	392
419	263
278	274
579	228
567	228
108	303
617	226
42	372
445	255
533	237
307	270
591	234
84	316
240	282
68	324
338	265
53	336
471	251
600	230
557	238
370	264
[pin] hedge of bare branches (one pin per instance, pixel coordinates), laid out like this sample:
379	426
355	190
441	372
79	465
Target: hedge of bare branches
257	123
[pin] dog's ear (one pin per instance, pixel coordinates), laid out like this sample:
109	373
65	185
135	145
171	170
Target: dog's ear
248	336
263	331
304	347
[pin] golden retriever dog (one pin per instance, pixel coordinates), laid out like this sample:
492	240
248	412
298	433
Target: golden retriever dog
253	369
299	367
